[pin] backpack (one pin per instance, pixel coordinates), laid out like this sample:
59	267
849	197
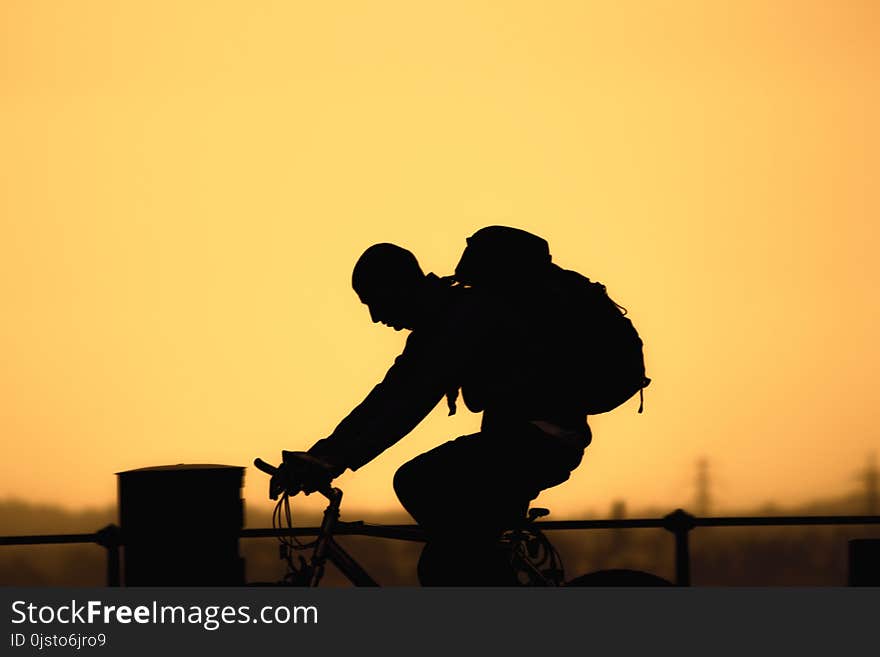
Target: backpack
587	344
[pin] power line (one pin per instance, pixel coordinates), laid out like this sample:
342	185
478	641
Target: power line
703	502
871	478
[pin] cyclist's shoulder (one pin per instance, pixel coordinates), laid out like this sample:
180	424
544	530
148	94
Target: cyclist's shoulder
449	303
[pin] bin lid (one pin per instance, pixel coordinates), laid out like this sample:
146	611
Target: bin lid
181	467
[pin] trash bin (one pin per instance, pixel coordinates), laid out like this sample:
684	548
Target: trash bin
181	525
864	562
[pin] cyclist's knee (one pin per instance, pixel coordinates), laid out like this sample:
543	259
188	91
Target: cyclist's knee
406	481
419	484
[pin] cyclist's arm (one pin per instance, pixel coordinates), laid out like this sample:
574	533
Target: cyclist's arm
419	378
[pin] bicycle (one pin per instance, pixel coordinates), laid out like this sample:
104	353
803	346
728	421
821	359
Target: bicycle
532	557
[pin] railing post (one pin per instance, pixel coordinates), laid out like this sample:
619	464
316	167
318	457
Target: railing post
110	538
680	523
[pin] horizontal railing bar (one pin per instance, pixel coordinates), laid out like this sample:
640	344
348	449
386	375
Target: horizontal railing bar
49	539
415	533
786	520
635	523
278	533
399	532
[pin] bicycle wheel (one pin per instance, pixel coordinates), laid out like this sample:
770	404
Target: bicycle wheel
619	577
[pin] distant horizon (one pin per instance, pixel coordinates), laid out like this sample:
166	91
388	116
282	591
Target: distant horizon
351	510
255	496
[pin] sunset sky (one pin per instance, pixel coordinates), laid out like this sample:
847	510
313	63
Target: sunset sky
185	186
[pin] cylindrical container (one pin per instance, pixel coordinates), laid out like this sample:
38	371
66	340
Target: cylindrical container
864	562
181	525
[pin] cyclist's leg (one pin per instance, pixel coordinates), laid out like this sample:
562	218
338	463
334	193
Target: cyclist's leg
481	477
465	562
466	492
450	484
448	492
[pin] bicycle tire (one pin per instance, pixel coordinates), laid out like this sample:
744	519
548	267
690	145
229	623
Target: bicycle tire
619	577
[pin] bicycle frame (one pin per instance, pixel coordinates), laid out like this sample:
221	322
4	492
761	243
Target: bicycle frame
327	548
526	545
529	549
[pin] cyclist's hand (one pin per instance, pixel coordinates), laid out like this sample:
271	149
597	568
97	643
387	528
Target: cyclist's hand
285	480
301	471
275	483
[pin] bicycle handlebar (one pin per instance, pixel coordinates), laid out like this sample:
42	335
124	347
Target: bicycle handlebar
260	464
278	485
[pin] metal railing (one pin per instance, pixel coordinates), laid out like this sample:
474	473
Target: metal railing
679	523
110	538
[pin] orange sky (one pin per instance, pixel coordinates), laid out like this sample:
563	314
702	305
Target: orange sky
186	186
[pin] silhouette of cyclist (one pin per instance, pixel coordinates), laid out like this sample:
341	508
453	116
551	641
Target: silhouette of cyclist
465	492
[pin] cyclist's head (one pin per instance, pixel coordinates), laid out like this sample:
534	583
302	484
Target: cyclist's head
388	279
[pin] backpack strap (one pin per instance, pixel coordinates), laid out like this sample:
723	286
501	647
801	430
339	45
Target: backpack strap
451	398
645	384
